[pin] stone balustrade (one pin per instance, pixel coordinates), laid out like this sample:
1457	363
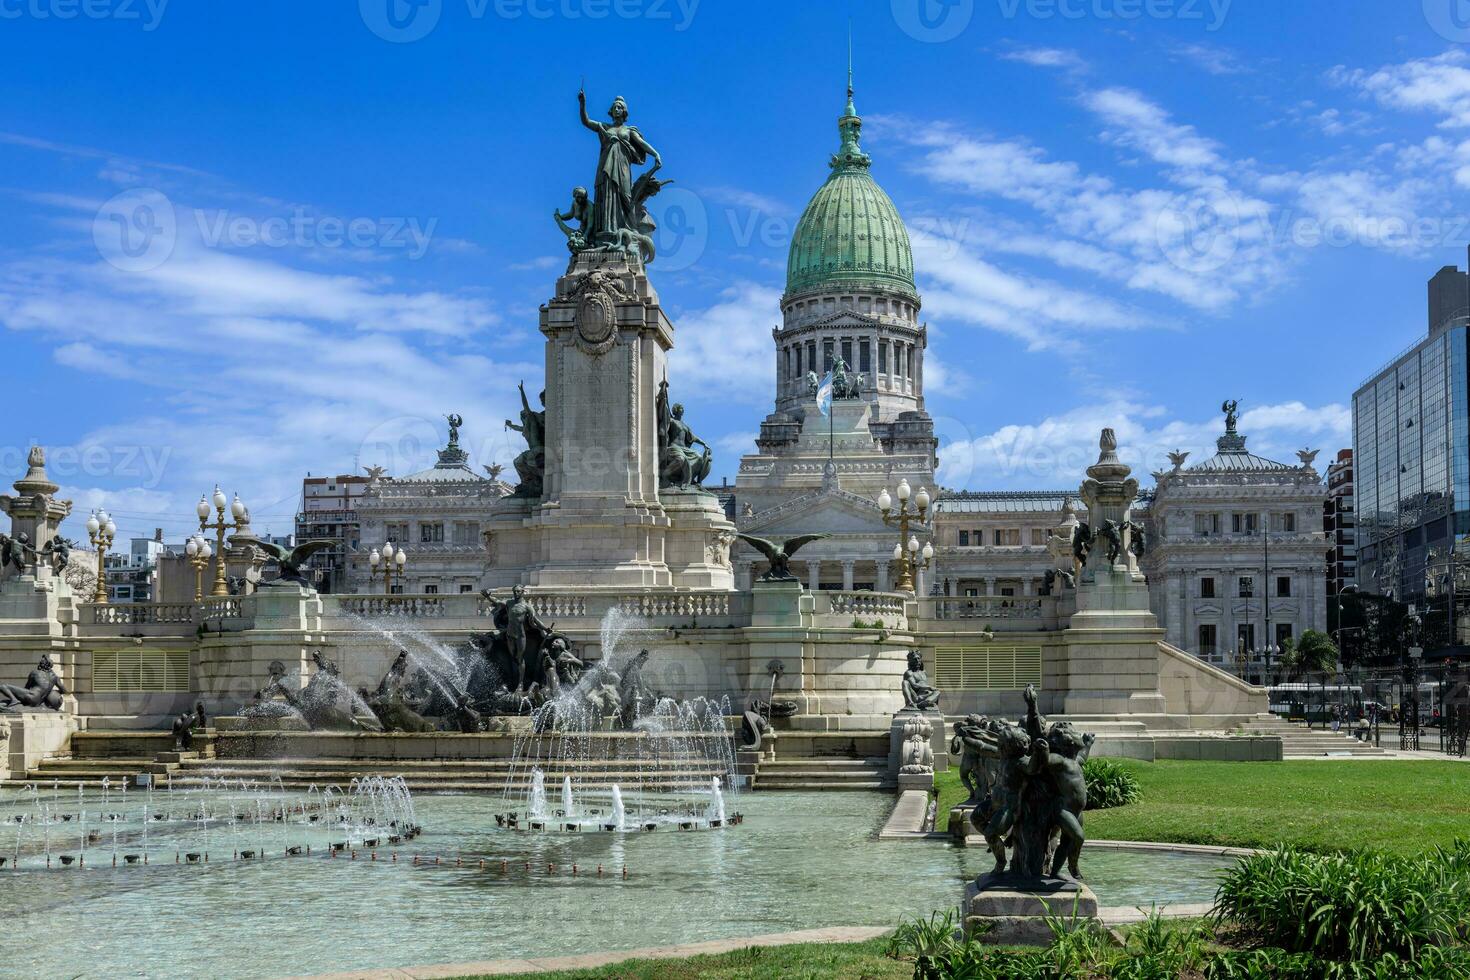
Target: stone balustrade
552	607
866	603
138	613
405	606
998	613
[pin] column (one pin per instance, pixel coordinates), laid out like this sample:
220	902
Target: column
990	585
1028	586
847	564
881	583
813	575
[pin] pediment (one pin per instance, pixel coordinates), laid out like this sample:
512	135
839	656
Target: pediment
835	512
846	318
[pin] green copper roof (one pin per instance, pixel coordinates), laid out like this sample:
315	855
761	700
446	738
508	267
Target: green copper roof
850	234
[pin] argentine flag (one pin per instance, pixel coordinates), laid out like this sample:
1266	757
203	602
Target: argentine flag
824	395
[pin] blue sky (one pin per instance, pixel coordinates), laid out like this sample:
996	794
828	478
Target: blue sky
1124	211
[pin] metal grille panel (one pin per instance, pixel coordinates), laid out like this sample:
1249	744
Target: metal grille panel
986	668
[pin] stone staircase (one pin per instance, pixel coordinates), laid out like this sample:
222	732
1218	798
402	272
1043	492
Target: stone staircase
824	773
1300	742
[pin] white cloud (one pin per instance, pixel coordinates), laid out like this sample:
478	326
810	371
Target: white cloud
727	346
1439	85
1057	450
1045	57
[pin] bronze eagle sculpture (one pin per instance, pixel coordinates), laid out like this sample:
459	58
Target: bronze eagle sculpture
779	555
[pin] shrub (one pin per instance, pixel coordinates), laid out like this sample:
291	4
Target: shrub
1109	784
1351	906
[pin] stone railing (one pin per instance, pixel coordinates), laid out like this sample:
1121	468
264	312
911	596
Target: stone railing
862	604
999	613
407	606
667	607
221	607
138	613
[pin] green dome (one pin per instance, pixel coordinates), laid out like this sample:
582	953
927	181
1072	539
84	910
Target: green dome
850	235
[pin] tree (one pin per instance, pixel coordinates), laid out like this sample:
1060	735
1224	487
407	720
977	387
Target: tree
1315	653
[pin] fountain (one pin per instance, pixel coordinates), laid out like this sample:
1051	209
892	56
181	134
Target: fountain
622	752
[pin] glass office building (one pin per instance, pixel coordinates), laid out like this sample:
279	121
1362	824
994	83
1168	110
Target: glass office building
1410	427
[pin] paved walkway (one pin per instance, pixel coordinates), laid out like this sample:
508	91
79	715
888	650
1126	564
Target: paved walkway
842	934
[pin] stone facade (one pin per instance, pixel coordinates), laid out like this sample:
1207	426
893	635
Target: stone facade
1237	544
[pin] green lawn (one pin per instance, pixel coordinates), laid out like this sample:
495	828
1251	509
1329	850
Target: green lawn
1392	806
810	961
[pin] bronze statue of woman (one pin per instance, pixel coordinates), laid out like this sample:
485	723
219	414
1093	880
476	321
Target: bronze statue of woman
613	207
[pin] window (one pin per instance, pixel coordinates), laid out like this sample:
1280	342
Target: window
1247	586
1008	590
1283	586
882	357
1284	522
1207	641
1283	635
865	357
1038	535
465	587
826	356
798	361
397	533
431	590
1008	537
1206	524
1245	637
466	532
847	354
431	533
964	539
1207	588
1243	523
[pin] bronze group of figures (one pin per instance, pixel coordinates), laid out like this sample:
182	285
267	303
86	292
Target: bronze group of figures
1118	537
531	464
17	554
680	464
614	217
1027	789
845	384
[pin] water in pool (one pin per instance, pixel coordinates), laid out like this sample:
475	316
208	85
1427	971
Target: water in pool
800	860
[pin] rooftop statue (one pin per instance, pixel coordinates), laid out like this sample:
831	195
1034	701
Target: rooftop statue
290	561
43	689
619	220
680	464
918	693
779	555
455	422
1230	408
531	464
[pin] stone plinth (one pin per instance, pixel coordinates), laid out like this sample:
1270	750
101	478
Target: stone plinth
697	544
959	823
600	521
1003	910
938	740
34	737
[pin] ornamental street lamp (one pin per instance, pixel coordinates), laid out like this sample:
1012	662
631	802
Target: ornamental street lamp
907	551
219	525
101	532
390	559
199	553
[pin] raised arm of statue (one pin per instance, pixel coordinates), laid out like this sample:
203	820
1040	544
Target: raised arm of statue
524	403
644	147
591	124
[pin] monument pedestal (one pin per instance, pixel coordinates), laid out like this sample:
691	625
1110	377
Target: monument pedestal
1005	910
697	544
938	742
